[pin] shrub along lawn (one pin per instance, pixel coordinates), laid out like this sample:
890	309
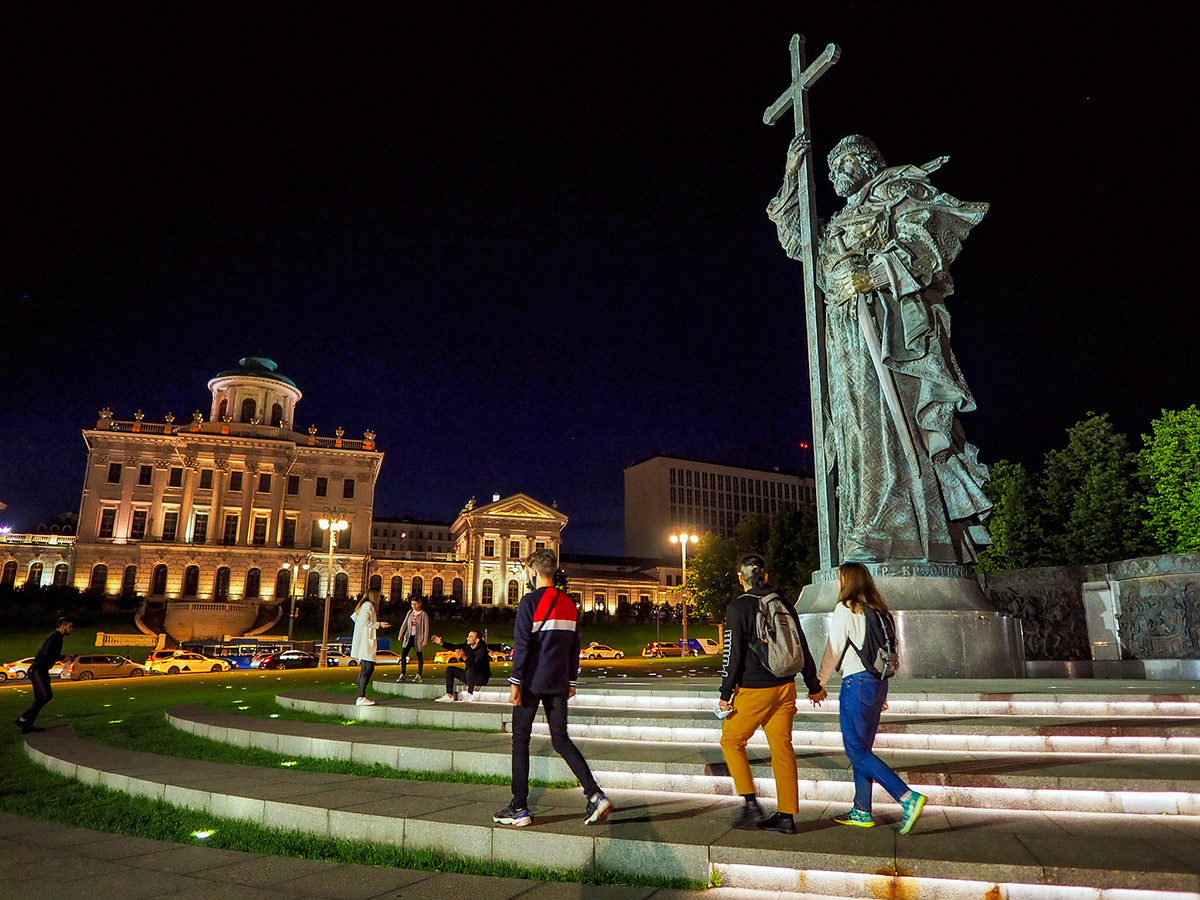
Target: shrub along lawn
130	712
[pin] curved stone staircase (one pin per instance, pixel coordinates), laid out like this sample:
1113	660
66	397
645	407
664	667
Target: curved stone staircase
1042	795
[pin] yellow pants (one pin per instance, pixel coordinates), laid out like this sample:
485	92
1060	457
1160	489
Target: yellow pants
774	709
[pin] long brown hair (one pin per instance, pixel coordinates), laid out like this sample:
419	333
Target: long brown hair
372	596
858	588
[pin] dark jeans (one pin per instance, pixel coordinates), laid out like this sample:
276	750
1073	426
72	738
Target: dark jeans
458	673
42	695
411	644
556	718
860	703
366	670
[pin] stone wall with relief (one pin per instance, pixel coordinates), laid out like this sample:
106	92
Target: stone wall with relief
1157	601
1049	603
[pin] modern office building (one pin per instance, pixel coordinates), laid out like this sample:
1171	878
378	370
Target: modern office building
668	494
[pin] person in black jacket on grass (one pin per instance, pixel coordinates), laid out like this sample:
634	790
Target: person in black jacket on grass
39	674
478	671
544	670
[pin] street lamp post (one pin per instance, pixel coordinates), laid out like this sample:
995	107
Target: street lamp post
333	526
682	540
294	566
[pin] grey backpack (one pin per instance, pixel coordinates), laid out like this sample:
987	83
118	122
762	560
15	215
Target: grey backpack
778	640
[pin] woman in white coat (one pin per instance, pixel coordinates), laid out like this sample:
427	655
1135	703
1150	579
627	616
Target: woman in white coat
365	641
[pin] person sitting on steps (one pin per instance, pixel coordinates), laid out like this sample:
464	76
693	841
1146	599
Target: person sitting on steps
478	671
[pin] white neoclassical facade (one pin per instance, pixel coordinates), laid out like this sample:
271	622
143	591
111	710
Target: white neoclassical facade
477	559
215	522
221	510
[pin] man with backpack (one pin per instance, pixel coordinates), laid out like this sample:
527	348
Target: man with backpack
764	650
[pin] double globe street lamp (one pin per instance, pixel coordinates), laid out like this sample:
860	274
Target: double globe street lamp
295	567
682	540
333	526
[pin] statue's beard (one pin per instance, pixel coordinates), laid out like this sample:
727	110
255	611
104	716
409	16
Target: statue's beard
845	185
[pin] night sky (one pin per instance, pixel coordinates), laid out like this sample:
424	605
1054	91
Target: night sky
526	244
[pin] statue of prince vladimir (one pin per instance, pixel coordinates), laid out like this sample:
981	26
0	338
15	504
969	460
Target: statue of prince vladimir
909	486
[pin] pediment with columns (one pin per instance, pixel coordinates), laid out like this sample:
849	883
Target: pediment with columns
511	510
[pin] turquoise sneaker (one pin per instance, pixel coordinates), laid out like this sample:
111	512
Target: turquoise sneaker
856	817
912	811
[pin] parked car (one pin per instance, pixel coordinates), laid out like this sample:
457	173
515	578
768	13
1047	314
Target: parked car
173	662
657	650
600	651
382	658
85	667
449	656
20	669
285	659
701	646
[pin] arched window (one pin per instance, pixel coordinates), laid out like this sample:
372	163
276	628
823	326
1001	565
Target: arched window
487	591
418	586
341	586
397	588
10	573
513	589
34	578
191	581
456	589
253	583
276	415
376	583
158	581
222	409
99	582
221	585
437	589
61	573
248	409
283	585
129	581
312	587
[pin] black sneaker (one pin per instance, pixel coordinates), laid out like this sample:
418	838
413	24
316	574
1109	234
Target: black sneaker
510	815
597	808
778	823
750	816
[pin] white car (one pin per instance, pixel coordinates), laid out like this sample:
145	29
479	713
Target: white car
20	669
186	661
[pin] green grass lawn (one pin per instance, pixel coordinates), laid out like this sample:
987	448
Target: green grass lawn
129	712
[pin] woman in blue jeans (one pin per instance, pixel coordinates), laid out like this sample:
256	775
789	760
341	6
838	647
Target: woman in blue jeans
862	699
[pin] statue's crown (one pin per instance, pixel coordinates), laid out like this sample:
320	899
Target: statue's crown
856	143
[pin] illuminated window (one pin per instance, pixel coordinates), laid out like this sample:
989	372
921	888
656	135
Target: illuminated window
513	592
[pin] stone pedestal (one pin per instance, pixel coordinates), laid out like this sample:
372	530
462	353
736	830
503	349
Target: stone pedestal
946	626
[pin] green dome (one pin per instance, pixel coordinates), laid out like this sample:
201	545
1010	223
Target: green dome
258	367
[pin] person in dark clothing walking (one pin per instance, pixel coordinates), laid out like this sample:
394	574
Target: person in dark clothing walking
39	674
478	671
544	672
757	697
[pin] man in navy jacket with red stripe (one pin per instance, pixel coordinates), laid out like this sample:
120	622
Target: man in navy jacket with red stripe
544	672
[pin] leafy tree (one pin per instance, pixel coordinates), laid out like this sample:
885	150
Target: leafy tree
1018	537
711	582
787	540
1094	502
1170	465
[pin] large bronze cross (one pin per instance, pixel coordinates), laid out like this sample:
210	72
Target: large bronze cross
796	98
